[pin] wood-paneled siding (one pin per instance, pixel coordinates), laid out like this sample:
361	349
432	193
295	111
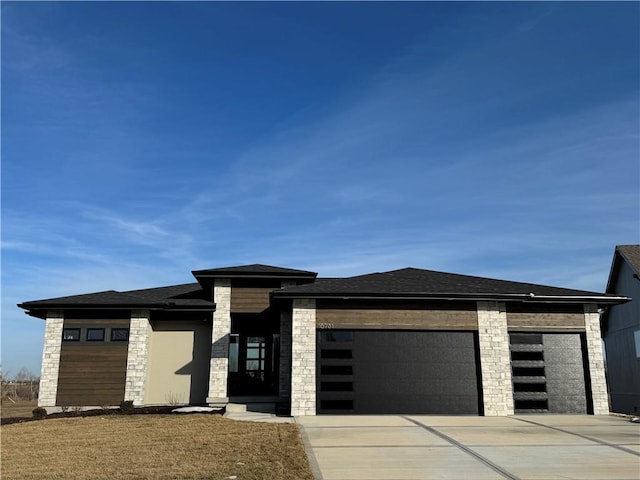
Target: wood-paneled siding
545	317
398	315
92	373
250	299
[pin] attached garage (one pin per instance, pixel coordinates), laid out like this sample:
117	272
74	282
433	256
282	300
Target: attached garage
397	372
550	373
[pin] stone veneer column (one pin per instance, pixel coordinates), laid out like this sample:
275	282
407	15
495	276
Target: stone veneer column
303	357
284	390
51	359
495	359
138	356
220	330
596	360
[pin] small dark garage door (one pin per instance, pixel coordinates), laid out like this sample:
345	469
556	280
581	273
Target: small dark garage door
397	372
549	373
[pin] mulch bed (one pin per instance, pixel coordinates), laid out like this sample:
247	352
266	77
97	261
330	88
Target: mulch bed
105	411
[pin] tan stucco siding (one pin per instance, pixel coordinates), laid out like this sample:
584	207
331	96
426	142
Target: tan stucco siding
178	369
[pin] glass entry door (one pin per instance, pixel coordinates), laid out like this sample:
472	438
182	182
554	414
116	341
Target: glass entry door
255	358
254	361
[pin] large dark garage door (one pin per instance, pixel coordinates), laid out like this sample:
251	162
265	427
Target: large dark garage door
549	373
396	372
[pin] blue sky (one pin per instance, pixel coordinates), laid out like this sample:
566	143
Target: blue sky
141	141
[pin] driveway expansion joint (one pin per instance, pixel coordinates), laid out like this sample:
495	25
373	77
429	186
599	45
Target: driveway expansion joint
464	448
586	437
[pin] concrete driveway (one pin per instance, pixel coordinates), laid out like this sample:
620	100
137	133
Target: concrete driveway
522	447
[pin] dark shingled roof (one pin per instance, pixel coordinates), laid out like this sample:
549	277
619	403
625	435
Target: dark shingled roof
404	283
187	296
631	253
417	283
254	270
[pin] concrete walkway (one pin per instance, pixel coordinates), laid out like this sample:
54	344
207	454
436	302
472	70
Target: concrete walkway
258	417
540	447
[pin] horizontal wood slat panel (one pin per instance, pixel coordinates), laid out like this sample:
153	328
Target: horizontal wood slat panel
106	378
98	323
250	300
92	374
106	389
550	320
98	399
545	316
400	319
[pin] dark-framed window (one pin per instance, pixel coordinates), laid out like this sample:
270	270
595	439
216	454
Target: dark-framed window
340	336
71	335
95	334
119	334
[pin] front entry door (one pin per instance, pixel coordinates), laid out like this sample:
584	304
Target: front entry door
255	352
253	364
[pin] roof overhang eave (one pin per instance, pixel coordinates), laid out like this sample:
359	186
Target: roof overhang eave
39	311
515	297
257	276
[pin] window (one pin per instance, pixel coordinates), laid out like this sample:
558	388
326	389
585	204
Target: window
336	370
342	336
526	338
529	356
71	335
256	356
95	334
336	386
119	334
233	352
335	353
636	336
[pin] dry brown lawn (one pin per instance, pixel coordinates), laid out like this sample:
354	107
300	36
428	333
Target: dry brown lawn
193	446
21	408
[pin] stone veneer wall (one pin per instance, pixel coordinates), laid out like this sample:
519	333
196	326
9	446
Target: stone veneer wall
495	359
596	360
137	356
51	359
220	330
303	358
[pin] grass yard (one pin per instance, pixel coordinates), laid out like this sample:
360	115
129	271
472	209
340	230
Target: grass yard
21	408
190	446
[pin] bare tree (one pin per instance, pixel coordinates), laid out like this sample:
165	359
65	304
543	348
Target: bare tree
26	384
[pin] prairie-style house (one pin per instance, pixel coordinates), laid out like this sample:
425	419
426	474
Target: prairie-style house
403	341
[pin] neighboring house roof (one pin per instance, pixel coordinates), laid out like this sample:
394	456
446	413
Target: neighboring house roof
177	297
629	254
417	283
253	271
623	253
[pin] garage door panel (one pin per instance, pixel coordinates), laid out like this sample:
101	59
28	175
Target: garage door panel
404	372
402	403
411	387
557	381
